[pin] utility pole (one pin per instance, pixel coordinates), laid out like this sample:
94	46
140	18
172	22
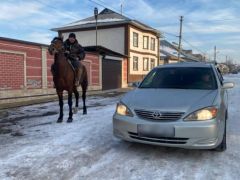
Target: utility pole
215	53
122	2
226	59
121	8
96	18
180	38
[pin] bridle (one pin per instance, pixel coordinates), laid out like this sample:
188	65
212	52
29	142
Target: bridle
54	47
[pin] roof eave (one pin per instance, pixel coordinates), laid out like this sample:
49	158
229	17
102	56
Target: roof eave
158	33
150	29
90	25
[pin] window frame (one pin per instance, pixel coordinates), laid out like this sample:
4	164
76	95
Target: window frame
147	38
152	60
135	58
135	39
147	68
152	45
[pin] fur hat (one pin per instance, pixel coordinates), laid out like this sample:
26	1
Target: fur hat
72	35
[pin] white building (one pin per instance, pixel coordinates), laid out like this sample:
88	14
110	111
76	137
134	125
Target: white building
139	42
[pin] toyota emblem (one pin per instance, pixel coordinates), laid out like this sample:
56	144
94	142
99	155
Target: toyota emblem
157	115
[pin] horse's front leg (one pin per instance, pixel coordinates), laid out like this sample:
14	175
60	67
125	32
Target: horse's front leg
70	119
60	99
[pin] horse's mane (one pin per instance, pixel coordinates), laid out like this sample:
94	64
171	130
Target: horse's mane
57	38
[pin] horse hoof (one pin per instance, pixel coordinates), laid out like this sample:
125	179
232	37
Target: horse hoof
60	120
84	111
69	120
75	110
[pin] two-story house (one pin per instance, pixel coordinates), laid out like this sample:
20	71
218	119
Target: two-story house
169	54
139	42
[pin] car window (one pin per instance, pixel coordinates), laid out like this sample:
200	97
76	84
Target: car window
180	78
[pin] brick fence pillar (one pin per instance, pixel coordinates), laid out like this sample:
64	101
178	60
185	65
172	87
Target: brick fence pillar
44	68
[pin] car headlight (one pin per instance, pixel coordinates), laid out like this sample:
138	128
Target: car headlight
203	114
123	110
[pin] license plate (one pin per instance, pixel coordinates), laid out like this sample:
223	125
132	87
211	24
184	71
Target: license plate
155	130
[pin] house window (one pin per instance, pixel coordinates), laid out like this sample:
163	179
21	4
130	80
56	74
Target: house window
152	63
135	39
152	44
135	63
145	64
145	42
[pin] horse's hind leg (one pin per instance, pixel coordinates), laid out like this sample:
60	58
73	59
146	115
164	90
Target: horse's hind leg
70	119
76	94
60	99
84	90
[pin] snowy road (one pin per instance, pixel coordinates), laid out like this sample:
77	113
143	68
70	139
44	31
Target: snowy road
38	148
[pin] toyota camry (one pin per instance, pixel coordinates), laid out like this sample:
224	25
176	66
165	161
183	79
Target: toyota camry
179	105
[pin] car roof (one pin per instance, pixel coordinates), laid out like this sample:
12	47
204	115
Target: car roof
187	64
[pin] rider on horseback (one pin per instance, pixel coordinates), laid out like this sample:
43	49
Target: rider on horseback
75	53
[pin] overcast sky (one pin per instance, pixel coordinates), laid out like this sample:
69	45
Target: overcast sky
206	22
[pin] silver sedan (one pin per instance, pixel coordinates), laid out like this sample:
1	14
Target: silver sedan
178	105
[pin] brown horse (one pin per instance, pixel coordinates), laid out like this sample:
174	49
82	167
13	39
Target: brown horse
64	76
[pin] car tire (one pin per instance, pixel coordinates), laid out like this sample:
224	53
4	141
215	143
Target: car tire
223	145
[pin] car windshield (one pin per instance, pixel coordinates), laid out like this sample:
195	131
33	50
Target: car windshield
180	78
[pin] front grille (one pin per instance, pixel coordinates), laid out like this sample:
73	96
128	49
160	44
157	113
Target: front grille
157	115
164	140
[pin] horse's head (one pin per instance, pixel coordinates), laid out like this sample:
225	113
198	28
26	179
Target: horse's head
56	46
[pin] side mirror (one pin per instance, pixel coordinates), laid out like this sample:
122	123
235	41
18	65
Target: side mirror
228	85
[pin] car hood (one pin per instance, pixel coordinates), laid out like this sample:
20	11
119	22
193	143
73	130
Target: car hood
180	100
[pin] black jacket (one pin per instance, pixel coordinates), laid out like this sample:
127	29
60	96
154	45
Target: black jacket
75	49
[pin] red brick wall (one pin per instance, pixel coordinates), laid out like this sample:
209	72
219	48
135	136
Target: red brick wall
125	69
33	61
11	71
93	60
88	67
12	66
50	60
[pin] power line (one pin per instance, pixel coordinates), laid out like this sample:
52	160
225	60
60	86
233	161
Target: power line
97	3
110	7
170	34
104	6
52	7
107	6
93	1
167	33
192	32
213	20
194	47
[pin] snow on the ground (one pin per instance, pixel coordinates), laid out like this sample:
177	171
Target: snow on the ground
86	148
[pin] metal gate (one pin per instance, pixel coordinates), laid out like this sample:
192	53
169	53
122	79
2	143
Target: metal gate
111	74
